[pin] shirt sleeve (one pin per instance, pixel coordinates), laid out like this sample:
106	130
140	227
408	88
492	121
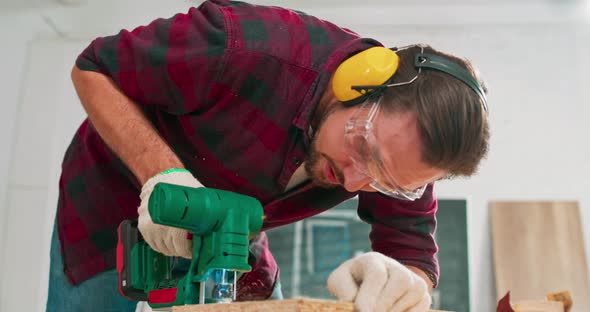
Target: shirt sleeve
167	64
403	230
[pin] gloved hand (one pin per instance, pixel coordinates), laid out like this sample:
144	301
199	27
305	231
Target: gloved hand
143	306
167	240
375	282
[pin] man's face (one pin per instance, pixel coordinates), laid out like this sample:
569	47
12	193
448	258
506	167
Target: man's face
328	162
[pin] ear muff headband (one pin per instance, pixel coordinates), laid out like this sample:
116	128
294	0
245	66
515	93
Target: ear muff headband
425	60
370	72
374	67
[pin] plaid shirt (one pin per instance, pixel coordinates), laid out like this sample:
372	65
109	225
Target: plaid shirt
231	87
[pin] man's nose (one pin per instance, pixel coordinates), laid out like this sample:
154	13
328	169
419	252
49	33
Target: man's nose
354	180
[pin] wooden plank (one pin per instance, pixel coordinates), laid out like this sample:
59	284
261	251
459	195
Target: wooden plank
538	306
289	305
538	249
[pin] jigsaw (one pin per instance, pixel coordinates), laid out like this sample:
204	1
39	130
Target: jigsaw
220	224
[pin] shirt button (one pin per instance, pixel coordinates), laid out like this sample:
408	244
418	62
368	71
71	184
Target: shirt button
296	161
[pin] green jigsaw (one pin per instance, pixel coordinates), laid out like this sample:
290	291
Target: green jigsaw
220	223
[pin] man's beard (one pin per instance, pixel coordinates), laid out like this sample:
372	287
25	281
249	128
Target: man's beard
313	156
312	159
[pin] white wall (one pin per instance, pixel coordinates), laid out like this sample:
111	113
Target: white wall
532	56
13	61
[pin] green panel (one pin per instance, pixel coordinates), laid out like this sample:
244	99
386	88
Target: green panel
334	243
335	240
453	290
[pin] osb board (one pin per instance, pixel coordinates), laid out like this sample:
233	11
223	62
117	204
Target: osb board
289	305
538	249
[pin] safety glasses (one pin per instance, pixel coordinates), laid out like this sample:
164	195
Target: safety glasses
361	146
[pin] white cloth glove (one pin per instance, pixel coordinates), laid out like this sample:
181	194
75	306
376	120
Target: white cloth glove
167	240
375	282
143	306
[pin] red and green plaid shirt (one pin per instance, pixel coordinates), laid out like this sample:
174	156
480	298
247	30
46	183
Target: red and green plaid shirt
231	87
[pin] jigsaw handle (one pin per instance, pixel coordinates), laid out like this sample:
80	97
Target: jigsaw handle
203	210
220	222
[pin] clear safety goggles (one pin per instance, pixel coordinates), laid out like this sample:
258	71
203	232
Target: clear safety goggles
361	146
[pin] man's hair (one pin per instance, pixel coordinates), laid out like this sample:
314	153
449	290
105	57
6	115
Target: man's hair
452	121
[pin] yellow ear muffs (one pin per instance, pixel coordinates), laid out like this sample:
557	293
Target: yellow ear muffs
372	67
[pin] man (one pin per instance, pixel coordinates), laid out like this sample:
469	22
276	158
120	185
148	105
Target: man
257	100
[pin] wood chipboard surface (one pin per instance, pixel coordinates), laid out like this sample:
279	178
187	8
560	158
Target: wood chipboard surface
289	305
538	249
